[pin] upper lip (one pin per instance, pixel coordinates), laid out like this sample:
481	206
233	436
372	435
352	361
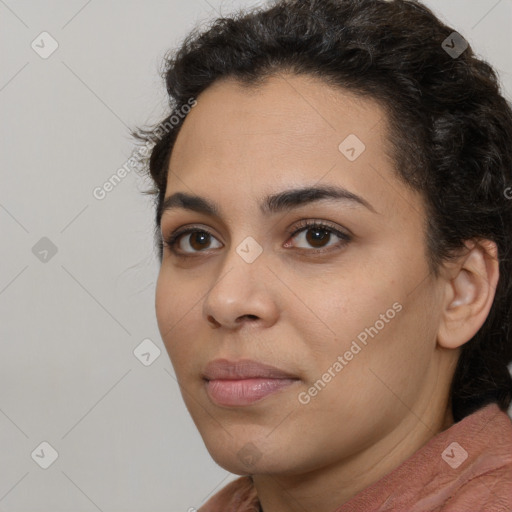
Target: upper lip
243	369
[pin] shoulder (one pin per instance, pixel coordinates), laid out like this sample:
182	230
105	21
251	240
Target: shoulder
488	483
466	467
486	491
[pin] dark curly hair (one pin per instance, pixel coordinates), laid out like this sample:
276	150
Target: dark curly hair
450	130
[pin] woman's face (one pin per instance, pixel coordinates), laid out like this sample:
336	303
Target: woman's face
347	312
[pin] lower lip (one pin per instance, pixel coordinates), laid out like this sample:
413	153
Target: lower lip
244	391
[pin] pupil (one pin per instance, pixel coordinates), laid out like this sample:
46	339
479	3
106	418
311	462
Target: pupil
319	236
201	238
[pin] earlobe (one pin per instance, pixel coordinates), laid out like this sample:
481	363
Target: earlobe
469	293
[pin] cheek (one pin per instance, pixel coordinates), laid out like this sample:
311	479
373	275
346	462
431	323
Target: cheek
164	305
176	307
370	321
343	308
390	355
382	372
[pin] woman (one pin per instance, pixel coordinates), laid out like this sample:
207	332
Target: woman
334	228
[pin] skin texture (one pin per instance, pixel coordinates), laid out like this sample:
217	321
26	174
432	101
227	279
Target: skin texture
298	310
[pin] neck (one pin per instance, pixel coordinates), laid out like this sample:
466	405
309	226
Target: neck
325	489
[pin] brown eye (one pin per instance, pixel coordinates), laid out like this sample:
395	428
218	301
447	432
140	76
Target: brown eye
191	240
317	237
314	235
199	240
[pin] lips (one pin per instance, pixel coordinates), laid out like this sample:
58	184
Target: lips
243	382
243	369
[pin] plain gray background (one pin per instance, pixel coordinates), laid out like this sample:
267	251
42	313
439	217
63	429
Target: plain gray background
70	321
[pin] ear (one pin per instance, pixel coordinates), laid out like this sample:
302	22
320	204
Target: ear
469	287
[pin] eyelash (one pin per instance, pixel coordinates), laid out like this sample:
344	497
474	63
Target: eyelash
304	225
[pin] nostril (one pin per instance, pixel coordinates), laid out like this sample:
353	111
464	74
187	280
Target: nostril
250	317
213	321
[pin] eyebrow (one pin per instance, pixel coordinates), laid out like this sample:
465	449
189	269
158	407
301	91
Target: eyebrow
275	203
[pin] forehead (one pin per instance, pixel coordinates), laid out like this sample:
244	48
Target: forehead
288	116
288	131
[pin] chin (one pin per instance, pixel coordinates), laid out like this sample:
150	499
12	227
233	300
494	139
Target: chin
241	456
247	467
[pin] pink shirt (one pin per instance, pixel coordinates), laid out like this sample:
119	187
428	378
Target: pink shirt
467	467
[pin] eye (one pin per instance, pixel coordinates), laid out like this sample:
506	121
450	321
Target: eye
191	240
318	235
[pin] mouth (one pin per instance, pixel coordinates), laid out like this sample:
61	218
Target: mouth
244	382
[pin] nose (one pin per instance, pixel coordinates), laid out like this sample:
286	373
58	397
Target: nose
242	293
